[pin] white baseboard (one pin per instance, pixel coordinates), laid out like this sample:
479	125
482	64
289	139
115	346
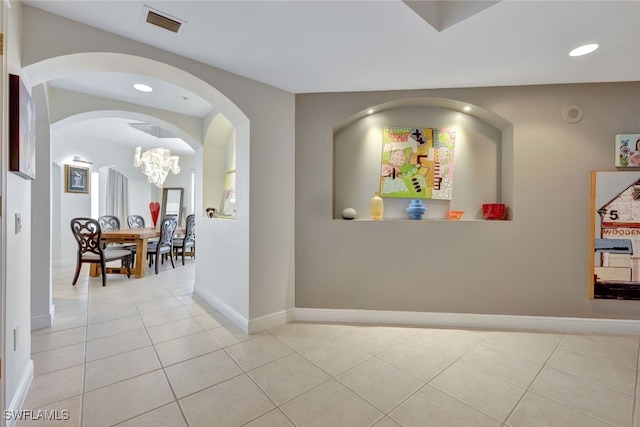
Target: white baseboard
271	320
21	393
247	326
463	320
235	317
45	321
427	319
41	322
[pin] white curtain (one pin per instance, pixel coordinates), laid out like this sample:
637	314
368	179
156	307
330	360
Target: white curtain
117	196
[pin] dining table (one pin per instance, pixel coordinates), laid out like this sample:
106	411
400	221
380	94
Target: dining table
138	236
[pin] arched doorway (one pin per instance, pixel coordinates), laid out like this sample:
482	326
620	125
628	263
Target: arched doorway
234	292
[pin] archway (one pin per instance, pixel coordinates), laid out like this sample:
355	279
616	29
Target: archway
232	265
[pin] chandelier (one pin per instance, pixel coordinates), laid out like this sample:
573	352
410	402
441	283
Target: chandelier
156	164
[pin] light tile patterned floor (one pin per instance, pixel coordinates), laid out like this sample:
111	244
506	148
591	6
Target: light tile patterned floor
149	352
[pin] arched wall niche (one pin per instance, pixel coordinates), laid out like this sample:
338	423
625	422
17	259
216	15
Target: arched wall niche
219	153
483	157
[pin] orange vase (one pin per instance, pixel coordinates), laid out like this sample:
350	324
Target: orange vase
376	207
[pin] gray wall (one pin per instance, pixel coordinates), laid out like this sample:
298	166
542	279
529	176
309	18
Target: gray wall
535	264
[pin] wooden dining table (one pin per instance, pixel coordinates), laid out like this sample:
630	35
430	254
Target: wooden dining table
138	236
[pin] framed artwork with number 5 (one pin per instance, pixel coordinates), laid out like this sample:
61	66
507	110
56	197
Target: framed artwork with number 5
615	235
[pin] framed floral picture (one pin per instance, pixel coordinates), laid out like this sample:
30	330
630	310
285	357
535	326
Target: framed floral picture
76	179
627	153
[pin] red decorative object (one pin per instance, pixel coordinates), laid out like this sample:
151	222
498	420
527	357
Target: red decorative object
154	207
493	210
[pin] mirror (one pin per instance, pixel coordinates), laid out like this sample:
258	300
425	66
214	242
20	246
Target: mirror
172	202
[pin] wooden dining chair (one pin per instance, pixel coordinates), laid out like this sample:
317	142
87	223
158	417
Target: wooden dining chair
109	222
188	242
135	221
164	245
88	235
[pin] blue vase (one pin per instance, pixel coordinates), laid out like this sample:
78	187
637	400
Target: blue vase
416	209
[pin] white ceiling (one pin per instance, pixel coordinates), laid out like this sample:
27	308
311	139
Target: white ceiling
166	96
116	130
326	46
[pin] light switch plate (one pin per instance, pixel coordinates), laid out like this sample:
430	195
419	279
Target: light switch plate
18	222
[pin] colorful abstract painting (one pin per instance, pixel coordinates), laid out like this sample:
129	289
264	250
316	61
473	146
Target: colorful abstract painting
417	163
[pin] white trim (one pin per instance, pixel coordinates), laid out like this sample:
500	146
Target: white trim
464	320
271	320
41	322
21	393
239	320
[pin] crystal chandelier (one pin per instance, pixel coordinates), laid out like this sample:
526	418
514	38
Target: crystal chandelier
156	164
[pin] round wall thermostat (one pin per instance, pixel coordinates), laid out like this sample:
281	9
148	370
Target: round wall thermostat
572	113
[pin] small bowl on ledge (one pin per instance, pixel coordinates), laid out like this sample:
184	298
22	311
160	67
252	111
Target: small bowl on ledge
493	211
454	215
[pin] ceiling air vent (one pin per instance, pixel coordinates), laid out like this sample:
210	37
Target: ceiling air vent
152	130
162	20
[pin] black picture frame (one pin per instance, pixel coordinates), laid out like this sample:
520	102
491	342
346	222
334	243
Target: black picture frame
22	129
76	179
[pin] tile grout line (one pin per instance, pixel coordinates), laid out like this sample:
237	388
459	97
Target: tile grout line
164	372
331	376
459	358
528	388
386	414
297	352
573	375
86	342
136	376
276	406
86	351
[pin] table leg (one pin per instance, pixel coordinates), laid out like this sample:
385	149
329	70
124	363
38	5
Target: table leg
94	269
141	258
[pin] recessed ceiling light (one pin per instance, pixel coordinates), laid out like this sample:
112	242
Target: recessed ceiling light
583	50
466	108
142	87
371	111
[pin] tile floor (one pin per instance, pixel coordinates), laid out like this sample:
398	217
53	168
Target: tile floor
149	352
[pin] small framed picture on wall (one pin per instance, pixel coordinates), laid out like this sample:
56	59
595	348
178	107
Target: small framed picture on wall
76	179
22	129
627	150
